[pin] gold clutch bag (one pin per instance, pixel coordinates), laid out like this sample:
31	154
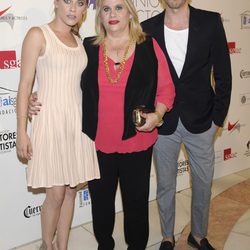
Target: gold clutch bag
138	120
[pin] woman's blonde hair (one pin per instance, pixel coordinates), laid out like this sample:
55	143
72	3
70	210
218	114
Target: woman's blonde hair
75	29
135	29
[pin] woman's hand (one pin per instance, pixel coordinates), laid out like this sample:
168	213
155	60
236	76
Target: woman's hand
152	121
34	106
23	146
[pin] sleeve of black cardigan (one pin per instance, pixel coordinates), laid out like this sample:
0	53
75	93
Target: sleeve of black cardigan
222	72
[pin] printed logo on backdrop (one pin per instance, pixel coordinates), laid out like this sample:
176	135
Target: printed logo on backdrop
84	197
7	17
31	211
228	154
233	49
245	20
234	126
244	74
7	101
147	8
93	3
7	141
183	167
247	152
244	99
218	156
8	60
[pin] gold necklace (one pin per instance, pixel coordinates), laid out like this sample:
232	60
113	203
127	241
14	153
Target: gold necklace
121	65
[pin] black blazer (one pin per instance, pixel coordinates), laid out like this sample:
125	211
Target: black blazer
196	103
140	89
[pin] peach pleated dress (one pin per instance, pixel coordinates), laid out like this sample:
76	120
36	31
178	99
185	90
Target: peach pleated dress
62	154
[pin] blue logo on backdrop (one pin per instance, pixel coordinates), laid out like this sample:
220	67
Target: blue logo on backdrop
84	197
93	2
7	101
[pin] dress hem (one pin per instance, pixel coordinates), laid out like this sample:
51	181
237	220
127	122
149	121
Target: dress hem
72	185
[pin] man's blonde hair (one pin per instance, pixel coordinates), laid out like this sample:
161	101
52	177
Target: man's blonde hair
163	4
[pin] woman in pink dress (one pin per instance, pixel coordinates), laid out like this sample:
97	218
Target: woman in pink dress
59	155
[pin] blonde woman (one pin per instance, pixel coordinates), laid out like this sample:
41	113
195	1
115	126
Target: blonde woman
60	156
125	69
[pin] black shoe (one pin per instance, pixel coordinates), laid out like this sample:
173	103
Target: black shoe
167	245
204	244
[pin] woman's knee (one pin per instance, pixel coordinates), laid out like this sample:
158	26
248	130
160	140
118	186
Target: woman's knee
70	193
55	196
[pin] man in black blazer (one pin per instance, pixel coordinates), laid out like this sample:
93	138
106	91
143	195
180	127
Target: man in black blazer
194	44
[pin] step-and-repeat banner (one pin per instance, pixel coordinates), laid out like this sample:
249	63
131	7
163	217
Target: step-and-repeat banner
19	207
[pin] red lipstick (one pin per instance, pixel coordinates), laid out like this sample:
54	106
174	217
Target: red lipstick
112	22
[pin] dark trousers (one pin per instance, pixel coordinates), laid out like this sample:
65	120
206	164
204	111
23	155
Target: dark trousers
133	172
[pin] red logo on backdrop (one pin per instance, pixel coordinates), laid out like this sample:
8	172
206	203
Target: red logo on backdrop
232	126
228	154
3	11
233	49
8	18
8	60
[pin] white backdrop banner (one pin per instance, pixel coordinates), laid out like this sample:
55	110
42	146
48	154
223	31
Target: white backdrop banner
19	207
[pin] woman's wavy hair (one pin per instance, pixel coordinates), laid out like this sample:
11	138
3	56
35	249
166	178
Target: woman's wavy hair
135	29
75	29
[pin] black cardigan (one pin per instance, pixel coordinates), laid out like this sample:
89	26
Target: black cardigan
140	89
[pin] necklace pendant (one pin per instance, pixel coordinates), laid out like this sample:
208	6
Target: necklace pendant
120	65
